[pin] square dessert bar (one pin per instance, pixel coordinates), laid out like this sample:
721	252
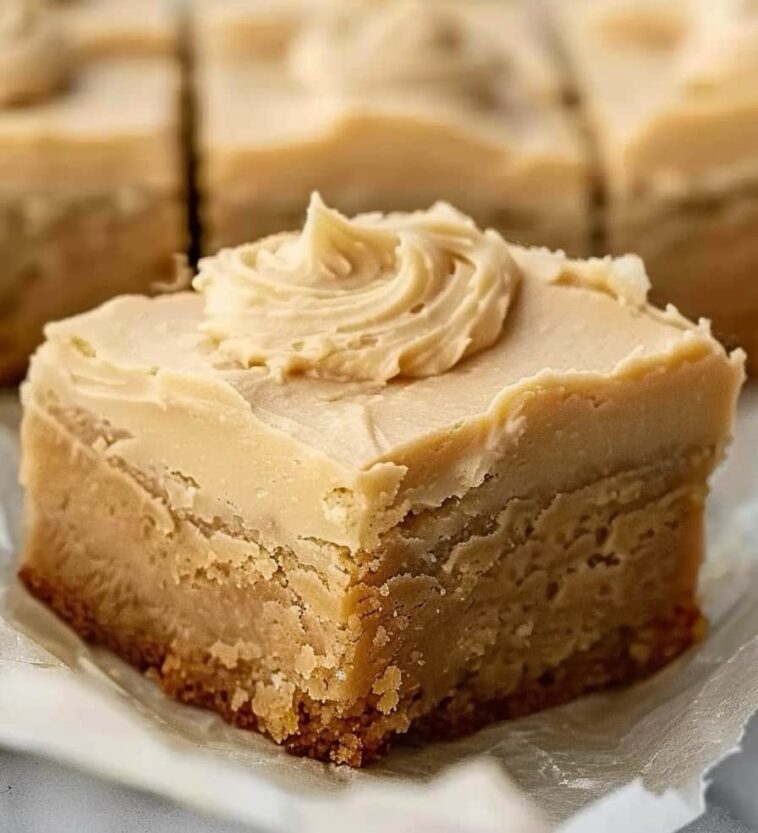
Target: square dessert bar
387	105
91	193
384	476
670	91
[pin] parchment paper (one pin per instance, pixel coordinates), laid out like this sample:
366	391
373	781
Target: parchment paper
61	698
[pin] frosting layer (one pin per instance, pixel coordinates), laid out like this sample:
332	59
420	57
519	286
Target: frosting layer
721	52
396	44
369	298
35	60
580	362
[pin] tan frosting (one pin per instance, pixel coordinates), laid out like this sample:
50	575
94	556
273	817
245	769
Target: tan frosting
435	48
623	278
674	115
395	44
645	23
35	60
344	462
104	28
721	52
371	298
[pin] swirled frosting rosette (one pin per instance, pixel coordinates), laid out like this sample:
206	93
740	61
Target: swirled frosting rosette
35	59
369	298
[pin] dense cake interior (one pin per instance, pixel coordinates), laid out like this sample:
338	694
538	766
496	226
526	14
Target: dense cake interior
481	604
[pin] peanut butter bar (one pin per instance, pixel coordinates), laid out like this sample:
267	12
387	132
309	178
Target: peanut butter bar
91	198
388	475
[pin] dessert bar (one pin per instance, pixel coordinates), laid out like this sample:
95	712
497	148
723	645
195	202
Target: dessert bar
387	475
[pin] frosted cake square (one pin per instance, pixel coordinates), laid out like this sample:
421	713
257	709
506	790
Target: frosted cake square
91	194
385	476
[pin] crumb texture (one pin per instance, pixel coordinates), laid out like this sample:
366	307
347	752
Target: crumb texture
364	734
482	608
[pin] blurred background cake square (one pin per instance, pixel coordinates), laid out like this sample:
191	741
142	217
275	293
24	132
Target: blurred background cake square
91	193
388	105
671	93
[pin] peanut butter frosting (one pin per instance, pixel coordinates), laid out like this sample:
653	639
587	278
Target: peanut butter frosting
35	59
508	152
344	461
395	44
721	51
401	46
110	29
646	23
714	45
371	298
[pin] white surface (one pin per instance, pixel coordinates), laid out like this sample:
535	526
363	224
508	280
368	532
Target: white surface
39	796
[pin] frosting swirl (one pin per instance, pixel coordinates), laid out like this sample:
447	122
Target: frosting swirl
722	47
368	298
402	44
35	60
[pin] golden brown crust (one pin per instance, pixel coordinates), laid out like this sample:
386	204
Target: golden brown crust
358	737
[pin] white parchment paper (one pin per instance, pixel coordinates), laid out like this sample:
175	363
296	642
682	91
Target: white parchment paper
62	698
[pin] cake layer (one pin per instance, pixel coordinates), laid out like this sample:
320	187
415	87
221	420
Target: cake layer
357	740
480	605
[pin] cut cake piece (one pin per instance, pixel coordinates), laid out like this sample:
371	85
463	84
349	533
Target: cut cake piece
388	475
91	178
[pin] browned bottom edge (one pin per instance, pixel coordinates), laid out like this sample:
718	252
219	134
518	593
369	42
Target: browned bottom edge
621	657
